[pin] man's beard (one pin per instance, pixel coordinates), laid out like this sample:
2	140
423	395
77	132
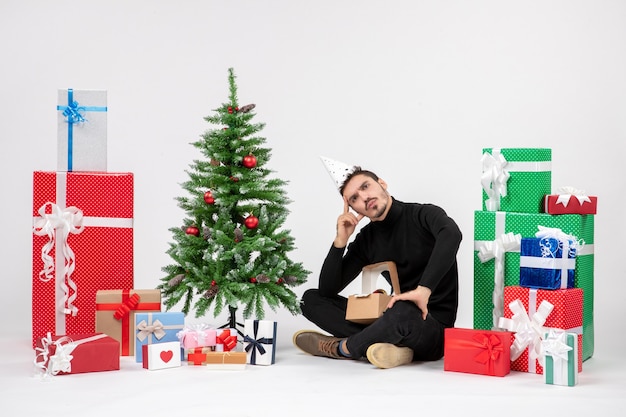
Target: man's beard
380	211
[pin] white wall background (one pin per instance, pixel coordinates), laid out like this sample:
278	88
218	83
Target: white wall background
410	89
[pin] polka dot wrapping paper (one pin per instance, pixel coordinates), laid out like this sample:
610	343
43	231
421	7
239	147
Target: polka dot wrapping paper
530	178
567	315
488	225
70	266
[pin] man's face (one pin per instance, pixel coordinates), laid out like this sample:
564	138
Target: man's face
367	196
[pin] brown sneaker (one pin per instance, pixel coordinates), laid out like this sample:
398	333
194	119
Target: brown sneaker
317	344
387	355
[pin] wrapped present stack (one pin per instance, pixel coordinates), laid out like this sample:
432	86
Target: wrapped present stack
82	226
212	348
218	348
86	313
116	313
532	246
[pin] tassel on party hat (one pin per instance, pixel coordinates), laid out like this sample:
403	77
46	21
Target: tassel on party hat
338	170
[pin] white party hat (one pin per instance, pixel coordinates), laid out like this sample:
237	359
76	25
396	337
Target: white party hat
338	170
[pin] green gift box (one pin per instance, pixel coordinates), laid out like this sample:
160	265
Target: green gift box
491	276
516	179
561	350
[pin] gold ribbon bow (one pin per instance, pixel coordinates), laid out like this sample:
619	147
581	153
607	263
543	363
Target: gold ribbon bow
146	330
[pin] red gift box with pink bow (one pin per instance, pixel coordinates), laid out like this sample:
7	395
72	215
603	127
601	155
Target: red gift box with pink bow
475	351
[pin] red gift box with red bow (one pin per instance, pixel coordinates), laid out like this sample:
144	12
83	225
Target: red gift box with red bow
115	314
475	351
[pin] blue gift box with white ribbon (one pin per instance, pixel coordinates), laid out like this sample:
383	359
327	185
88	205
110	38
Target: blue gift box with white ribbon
153	328
82	130
547	263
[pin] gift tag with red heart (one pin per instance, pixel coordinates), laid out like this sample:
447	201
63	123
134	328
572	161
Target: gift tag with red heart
161	355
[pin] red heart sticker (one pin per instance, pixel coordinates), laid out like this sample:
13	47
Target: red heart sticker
167	355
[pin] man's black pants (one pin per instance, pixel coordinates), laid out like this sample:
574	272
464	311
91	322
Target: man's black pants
401	325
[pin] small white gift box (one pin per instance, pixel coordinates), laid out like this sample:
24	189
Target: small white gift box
259	341
82	130
161	355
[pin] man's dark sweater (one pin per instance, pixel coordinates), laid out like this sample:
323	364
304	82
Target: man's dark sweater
423	242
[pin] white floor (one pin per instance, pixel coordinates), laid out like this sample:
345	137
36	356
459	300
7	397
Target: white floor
298	384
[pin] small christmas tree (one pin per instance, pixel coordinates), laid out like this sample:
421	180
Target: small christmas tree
231	250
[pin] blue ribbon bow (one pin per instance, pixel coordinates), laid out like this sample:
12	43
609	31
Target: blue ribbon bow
72	112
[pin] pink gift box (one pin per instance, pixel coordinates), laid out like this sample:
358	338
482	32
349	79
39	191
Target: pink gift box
197	336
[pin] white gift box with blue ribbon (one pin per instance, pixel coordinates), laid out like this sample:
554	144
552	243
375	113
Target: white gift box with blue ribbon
82	130
259	341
